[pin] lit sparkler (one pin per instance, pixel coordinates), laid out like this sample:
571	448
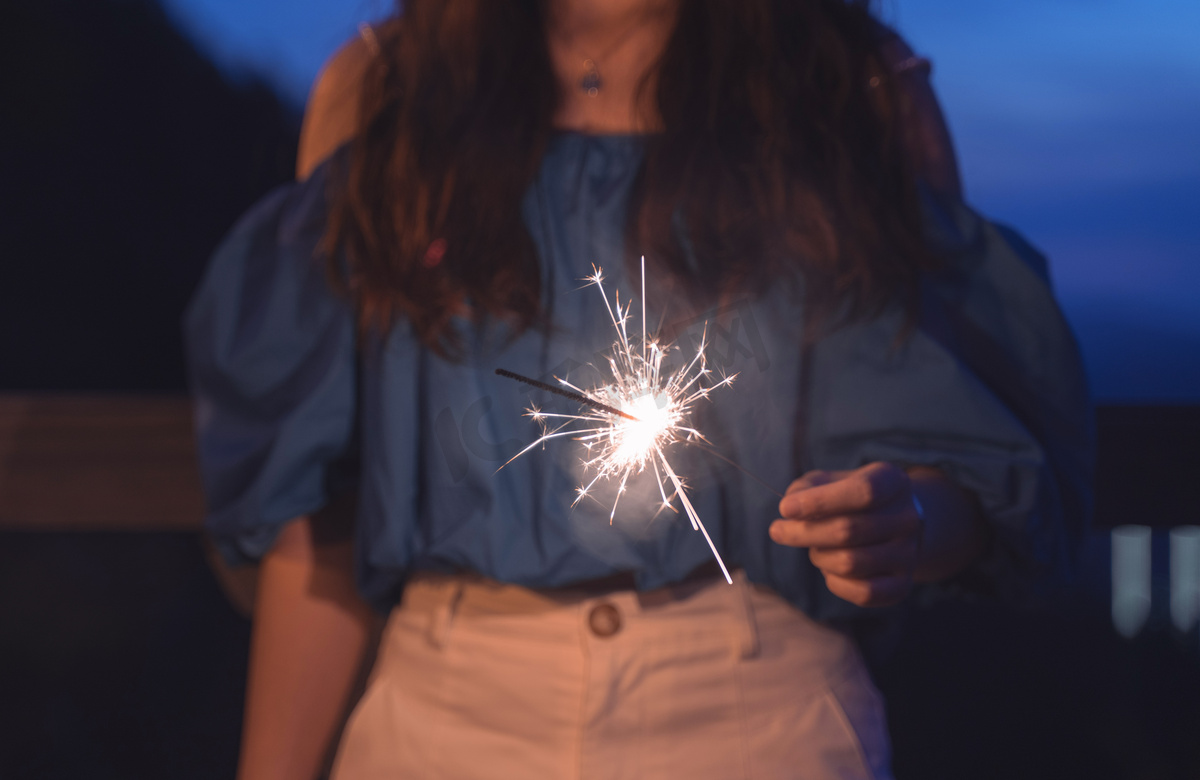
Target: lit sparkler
626	426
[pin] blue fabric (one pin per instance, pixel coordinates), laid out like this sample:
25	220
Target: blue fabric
287	403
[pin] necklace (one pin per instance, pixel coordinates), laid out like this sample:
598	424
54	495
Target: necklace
592	82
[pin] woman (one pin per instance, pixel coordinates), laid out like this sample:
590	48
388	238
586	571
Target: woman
784	169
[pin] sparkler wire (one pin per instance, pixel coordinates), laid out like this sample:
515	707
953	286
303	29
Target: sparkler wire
580	397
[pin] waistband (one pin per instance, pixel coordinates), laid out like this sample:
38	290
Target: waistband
474	593
703	608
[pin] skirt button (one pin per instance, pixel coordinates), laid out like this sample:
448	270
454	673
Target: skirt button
604	620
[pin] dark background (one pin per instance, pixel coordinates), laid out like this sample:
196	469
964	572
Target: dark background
124	156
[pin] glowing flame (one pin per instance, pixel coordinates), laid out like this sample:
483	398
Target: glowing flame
635	440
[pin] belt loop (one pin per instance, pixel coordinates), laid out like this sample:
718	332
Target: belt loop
442	616
747	644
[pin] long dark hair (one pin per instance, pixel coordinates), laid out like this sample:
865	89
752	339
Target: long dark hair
780	149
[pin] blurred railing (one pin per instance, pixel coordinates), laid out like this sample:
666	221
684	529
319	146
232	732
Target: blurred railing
1148	498
82	463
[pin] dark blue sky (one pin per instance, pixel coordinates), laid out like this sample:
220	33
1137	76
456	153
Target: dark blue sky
1077	122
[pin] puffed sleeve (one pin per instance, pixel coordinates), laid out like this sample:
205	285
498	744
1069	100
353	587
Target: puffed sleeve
989	387
271	359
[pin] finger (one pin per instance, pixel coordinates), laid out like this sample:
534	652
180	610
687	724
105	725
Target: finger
814	478
869	487
873	592
847	530
894	557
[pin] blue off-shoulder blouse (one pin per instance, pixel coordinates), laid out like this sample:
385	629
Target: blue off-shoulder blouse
292	408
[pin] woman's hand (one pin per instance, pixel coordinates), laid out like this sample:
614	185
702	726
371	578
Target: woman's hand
862	528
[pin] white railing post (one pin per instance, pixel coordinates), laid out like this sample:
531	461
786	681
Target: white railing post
1185	577
1130	579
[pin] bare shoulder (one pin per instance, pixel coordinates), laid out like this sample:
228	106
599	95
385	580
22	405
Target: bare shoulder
926	133
332	115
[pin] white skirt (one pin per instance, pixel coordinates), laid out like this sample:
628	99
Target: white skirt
476	679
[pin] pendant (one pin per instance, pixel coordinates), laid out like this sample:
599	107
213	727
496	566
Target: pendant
591	82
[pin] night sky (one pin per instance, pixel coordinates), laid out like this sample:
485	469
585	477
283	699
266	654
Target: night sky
1077	122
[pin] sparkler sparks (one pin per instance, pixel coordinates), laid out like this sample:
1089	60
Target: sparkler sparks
627	425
